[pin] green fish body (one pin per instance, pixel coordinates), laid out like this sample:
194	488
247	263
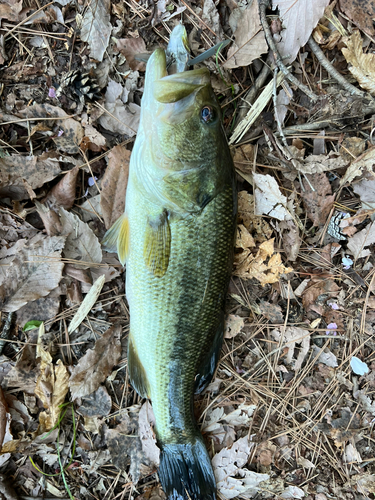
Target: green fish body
176	238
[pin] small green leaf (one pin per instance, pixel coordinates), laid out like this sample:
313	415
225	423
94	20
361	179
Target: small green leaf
30	325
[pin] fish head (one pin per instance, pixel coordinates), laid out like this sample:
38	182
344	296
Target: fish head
188	118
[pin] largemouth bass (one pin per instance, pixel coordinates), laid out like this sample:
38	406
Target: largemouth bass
176	238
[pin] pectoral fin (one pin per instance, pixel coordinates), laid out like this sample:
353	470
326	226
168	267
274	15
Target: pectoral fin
157	247
116	239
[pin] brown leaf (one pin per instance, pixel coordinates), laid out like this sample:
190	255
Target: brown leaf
96	404
64	192
42	309
361	12
81	243
11	10
291	239
13	230
95	366
233	326
70	131
36	170
130	47
362	65
51	388
319	286
32	273
50	219
250	40
24	374
272	312
318	203
114	184
266	266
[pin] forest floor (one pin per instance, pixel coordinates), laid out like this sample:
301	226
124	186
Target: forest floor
291	410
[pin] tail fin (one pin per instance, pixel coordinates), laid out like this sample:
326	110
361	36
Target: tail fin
186	473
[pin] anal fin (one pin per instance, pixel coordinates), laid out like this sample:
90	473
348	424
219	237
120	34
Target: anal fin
137	373
210	360
157	246
116	239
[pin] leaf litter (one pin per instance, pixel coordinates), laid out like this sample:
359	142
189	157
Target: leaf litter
290	411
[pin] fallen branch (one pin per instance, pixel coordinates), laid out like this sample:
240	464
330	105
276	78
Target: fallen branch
263	4
331	70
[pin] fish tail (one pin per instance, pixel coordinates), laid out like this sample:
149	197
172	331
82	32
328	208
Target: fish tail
185	471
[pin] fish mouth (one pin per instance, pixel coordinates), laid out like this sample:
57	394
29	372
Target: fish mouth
173	88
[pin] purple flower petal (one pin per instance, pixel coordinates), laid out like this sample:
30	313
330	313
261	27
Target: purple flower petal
331	326
52	92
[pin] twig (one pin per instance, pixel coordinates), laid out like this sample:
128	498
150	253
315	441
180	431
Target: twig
250	96
331	70
263	4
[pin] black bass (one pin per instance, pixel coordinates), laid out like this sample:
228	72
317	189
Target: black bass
176	238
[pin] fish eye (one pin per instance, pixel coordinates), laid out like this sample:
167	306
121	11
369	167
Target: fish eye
208	114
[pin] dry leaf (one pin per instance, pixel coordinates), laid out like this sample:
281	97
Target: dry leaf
272	312
11	10
130	47
299	18
87	304
362	65
316	164
292	492
291	239
292	336
96	404
81	243
244	239
95	366
51	388
210	16
64	192
282	100
32	273
269	200
365	162
114	182
146	423
250	40
365	189
43	309
35	170
121	118
255	225
248	266
70	133
96	27
232	478
357	244
233	326
361	12
324	287
318	203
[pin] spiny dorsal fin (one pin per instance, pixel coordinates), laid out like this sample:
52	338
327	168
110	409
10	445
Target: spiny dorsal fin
117	238
157	247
